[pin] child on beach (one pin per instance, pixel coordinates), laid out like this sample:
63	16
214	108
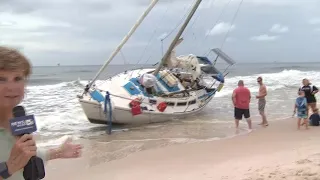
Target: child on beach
301	108
314	118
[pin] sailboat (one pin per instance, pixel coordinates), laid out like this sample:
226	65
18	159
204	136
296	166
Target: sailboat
175	89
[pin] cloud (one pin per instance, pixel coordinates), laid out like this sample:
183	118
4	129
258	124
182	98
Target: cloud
74	31
27	22
278	28
317	29
264	37
273	3
276	2
231	39
314	21
220	28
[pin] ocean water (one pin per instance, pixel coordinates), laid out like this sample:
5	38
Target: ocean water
51	97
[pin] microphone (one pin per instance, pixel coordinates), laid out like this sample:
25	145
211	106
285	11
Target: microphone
20	125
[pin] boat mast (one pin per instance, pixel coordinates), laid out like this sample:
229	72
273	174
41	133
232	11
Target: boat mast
175	40
125	39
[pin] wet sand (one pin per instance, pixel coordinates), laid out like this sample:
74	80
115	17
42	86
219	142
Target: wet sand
276	152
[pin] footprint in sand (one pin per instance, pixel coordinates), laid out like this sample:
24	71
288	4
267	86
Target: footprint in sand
303	161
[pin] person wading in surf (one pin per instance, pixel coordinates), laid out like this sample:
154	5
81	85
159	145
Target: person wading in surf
241	100
262	101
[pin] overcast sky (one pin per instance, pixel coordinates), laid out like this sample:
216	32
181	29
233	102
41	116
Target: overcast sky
86	31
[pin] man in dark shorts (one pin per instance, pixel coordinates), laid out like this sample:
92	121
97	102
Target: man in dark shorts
241	100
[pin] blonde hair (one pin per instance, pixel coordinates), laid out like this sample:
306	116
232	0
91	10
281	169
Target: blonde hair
12	60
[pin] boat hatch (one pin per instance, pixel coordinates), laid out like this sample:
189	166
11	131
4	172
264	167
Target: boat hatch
131	89
96	95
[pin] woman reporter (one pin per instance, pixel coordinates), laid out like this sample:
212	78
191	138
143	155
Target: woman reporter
15	152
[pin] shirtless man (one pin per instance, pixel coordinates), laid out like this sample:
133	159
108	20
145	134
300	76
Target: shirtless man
262	101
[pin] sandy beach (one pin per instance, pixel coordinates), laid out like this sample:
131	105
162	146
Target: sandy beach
276	152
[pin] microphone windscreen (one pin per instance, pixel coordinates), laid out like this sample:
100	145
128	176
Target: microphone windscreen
19	111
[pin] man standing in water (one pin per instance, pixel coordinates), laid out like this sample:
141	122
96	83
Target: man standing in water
262	101
241	101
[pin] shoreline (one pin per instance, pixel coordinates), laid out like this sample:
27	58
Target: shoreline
245	156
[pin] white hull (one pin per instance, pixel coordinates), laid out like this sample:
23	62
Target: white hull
95	115
183	106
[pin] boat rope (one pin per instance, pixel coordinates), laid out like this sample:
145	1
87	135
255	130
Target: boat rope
193	23
123	57
214	24
181	21
229	30
168	34
232	22
141	101
152	36
108	112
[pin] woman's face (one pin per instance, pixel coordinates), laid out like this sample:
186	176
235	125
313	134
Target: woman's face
12	85
305	82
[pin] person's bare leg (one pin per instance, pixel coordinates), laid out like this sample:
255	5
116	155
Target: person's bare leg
262	122
249	123
237	123
310	107
313	106
299	123
264	118
306	123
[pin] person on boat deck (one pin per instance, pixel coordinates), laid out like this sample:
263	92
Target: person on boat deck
148	81
314	118
15	152
310	92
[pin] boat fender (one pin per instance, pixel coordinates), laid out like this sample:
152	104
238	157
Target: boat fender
135	102
162	106
135	106
220	87
136	110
